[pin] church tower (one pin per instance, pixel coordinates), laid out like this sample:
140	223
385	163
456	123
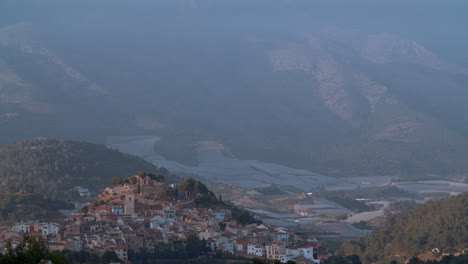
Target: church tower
129	207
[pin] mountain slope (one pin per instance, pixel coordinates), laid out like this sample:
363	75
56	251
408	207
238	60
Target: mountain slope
290	88
55	168
441	224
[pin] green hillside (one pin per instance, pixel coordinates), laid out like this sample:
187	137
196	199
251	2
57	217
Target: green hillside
55	168
441	224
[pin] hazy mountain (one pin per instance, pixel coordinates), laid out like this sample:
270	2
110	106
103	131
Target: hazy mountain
327	87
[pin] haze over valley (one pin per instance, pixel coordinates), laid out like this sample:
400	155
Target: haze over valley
247	131
339	97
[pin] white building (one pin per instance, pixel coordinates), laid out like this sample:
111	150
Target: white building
286	257
228	247
47	229
23	228
256	250
308	252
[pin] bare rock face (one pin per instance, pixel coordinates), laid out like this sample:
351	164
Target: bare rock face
387	48
292	58
332	89
374	92
379	115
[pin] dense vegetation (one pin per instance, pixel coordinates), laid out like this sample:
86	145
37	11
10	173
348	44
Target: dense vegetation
354	259
403	208
40	176
441	224
33	250
21	205
450	259
56	167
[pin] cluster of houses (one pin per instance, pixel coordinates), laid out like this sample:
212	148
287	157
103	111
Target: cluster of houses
129	217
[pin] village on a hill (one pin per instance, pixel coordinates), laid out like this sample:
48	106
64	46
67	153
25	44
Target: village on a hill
143	213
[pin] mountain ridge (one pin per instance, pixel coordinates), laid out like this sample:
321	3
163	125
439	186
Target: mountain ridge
322	99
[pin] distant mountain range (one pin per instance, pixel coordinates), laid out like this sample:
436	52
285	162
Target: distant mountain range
333	100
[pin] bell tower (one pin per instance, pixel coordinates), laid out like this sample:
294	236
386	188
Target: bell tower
129	207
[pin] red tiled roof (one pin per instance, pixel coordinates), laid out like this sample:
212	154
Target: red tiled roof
105	208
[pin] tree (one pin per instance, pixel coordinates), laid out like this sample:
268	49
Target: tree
187	186
163	171
200	188
115	181
133	180
194	246
109	256
415	260
56	258
222	225
84	209
244	217
81	257
30	250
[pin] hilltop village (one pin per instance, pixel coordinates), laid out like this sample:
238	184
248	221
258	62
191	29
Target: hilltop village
144	213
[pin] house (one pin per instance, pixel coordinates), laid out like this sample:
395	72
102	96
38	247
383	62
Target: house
256	250
23	228
102	211
72	229
74	243
118	210
233	229
217	215
282	236
170	214
307	252
240	246
207	234
135	240
56	246
293	250
227	247
156	221
321	254
273	251
121	250
47	229
14	241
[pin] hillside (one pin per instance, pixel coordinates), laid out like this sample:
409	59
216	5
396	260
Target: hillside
151	189
441	224
26	204
54	168
297	89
